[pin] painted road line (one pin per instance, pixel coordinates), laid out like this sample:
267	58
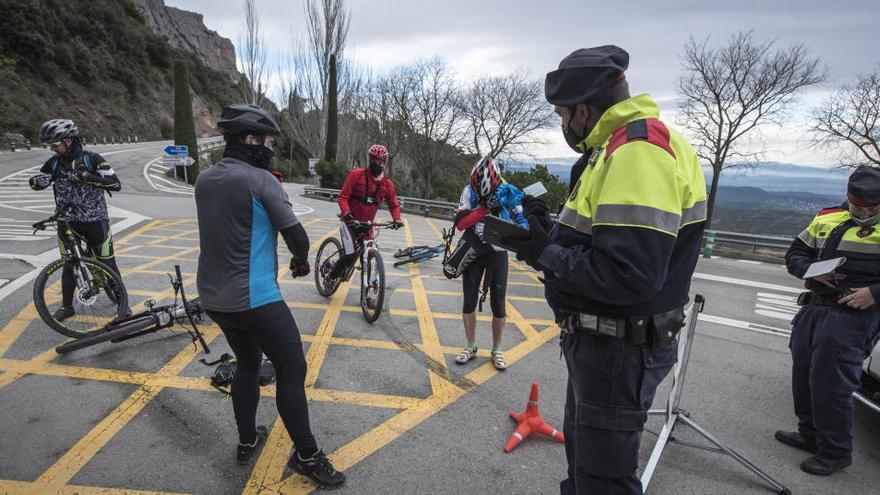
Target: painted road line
130	219
745	325
747	283
148	176
778	306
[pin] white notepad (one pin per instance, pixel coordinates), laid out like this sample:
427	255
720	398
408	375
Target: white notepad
824	267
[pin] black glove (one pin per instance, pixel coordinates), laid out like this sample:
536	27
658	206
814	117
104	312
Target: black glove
40	181
531	248
348	217
299	268
89	177
537	207
397	224
491	201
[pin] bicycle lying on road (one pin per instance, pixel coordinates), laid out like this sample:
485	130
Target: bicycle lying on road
153	319
372	295
98	293
418	254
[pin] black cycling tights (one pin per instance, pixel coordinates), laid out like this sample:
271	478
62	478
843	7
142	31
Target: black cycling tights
495	267
268	329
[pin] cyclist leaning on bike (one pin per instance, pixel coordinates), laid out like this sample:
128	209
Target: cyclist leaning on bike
241	209
79	179
363	191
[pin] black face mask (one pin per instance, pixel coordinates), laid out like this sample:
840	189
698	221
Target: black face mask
572	139
376	169
74	150
254	154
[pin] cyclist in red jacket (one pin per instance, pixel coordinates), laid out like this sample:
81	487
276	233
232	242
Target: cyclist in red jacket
363	191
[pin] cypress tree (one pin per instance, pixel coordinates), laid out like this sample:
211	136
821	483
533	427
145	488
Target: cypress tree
332	114
184	124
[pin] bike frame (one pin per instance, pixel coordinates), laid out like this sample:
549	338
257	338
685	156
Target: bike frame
71	242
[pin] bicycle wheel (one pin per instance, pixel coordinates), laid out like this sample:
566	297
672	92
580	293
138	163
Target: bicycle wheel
93	309
328	255
114	332
373	287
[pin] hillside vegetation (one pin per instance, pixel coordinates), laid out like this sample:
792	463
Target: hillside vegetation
95	61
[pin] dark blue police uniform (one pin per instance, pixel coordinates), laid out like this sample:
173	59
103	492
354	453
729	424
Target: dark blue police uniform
830	340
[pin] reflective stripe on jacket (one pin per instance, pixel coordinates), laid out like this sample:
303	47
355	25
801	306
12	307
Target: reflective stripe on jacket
629	235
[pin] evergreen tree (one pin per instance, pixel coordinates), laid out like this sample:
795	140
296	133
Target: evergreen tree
332	114
184	124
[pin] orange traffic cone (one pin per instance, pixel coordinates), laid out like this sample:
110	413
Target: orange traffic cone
531	422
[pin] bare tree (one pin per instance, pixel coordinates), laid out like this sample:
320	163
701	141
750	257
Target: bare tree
732	90
424	99
252	56
849	119
300	95
502	113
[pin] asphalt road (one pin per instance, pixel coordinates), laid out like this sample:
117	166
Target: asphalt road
387	401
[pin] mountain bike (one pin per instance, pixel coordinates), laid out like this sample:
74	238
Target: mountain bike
99	296
153	319
418	254
370	264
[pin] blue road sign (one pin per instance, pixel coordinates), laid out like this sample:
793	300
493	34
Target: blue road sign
177	150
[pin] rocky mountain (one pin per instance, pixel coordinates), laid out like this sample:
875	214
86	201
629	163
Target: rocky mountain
187	31
103	64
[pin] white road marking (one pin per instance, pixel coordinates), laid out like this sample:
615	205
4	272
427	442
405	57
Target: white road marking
154	177
745	325
749	262
747	283
778	306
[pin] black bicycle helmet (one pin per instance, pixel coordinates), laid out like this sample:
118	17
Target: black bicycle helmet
242	118
58	129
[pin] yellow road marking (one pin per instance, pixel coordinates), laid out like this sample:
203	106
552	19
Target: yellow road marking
85	449
427	330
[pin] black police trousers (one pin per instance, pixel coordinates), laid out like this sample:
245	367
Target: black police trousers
611	386
828	345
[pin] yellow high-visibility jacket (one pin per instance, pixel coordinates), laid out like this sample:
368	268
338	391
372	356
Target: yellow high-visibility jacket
628	238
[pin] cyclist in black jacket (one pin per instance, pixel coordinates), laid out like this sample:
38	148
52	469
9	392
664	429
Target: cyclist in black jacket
79	179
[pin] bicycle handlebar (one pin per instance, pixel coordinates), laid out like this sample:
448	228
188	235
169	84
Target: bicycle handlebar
372	225
41	225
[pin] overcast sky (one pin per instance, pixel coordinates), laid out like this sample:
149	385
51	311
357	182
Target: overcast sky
480	37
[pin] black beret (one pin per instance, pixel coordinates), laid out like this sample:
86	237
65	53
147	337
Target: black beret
585	73
864	186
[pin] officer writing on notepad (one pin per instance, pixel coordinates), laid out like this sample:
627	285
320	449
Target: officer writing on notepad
838	324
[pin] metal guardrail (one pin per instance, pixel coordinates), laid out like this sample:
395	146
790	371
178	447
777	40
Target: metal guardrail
426	207
213	143
443	209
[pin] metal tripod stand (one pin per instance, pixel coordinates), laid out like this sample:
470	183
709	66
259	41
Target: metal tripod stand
675	415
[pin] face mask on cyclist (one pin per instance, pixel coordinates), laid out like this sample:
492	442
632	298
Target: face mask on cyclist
258	154
376	169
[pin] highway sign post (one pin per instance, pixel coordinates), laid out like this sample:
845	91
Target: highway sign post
177	156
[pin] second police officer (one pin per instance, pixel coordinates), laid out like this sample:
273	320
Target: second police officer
838	325
618	263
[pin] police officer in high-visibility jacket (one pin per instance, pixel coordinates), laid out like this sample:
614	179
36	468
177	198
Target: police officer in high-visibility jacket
618	263
838	325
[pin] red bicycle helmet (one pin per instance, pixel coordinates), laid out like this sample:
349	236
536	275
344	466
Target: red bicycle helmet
485	177
378	152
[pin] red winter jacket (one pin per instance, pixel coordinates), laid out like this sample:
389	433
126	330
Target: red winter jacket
358	187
